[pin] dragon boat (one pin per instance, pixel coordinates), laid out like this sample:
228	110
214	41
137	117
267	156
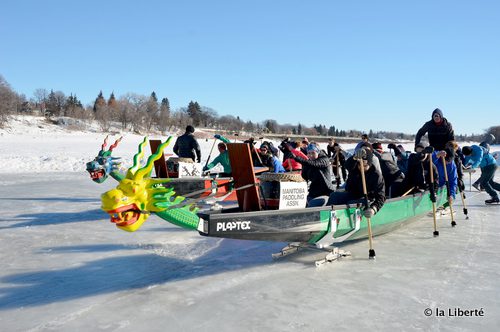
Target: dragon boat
137	196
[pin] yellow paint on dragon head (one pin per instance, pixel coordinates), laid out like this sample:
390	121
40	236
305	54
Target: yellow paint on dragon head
137	195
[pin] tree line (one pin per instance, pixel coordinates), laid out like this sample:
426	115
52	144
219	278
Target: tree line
143	114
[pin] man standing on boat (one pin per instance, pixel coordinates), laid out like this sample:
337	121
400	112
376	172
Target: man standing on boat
186	146
478	156
438	129
375	186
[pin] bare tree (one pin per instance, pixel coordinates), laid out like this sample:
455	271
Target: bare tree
124	112
41	96
135	110
8	101
163	117
180	118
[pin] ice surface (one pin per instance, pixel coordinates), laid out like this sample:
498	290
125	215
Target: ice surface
65	267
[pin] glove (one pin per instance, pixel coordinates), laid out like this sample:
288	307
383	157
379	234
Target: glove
428	149
461	184
392	146
217	136
360	154
441	154
205	168
369	212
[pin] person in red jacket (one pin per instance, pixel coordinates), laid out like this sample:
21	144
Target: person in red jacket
291	164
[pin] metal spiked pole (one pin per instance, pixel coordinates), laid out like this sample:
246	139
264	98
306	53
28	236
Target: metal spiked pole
450	202
371	252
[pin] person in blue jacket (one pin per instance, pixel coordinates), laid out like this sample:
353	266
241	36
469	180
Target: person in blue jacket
477	156
269	160
451	169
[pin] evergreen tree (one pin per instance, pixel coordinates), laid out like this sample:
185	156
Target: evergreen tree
112	103
55	102
152	105
100	102
194	112
299	129
163	115
249	126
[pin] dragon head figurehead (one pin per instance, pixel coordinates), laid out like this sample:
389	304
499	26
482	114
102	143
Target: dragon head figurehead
102	165
138	195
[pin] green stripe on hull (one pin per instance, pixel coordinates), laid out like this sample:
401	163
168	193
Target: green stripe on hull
394	213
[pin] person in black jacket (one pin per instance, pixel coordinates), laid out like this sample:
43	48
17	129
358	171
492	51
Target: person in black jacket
375	185
393	176
186	146
317	171
333	149
439	131
418	176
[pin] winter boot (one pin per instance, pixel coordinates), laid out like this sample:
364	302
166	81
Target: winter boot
492	200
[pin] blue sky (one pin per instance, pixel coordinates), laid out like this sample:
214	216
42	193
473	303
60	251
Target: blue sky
381	65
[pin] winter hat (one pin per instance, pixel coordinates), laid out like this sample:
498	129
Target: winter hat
419	145
437	111
190	129
377	146
250	141
485	146
313	147
369	156
450	154
467	150
265	146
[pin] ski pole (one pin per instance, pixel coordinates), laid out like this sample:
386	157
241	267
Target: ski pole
433	194
338	166
371	252
210	154
462	195
409	191
450	202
